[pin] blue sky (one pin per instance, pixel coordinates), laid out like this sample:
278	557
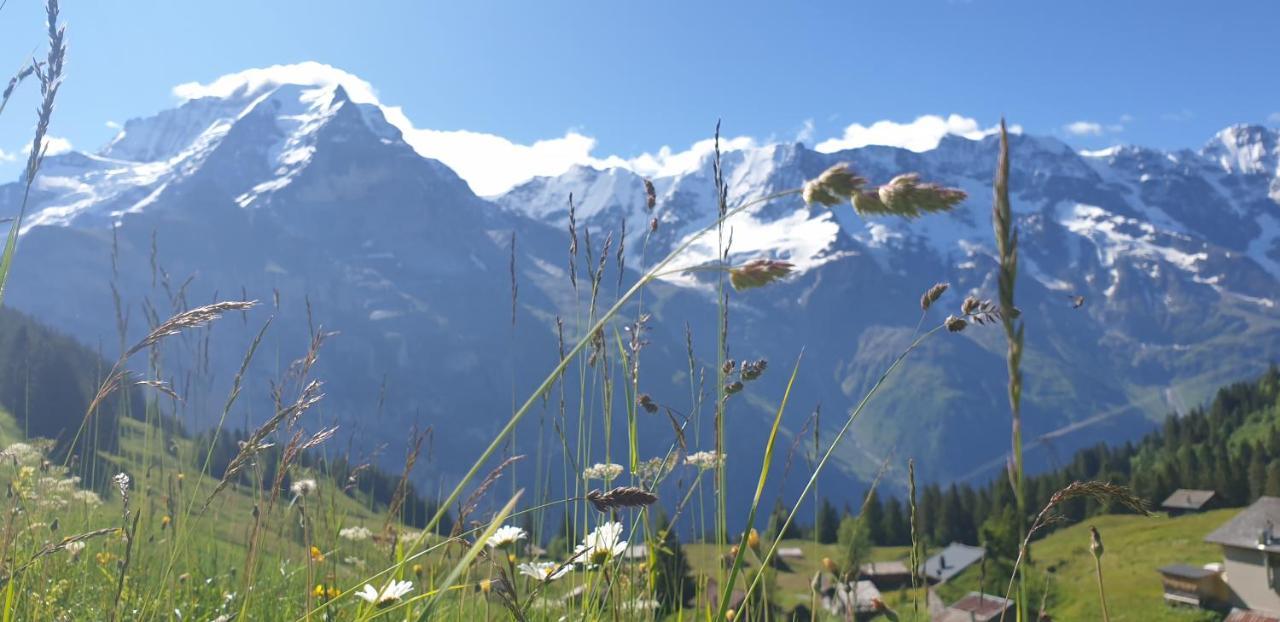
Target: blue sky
630	78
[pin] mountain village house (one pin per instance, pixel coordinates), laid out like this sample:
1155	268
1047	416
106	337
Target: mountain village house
1186	501
1248	578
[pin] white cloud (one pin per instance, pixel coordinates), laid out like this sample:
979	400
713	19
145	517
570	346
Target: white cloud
1084	128
112	125
1274	117
7	156
492	164
1093	128
805	135
1180	116
922	134
53	145
251	81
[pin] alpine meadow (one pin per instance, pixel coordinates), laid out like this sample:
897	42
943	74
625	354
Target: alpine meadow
273	352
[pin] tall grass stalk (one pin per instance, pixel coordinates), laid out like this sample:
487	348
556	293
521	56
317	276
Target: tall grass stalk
578	347
1006	235
50	77
765	464
835	441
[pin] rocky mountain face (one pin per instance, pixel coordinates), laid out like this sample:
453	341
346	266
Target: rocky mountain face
1147	278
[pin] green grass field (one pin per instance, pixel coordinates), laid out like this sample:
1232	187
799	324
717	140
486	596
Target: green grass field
1136	546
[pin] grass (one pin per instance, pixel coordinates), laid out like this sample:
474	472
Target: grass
1136	546
152	534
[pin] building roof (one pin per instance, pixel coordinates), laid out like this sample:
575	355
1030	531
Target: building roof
951	560
976	606
1185	571
879	569
864	596
1245	615
1255	527
1188	499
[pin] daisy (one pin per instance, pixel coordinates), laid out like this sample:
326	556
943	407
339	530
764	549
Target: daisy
605	472
544	571
601	545
505	536
390	593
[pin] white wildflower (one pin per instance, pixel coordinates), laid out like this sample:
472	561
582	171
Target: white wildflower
87	497
122	482
505	536
643	604
605	472
544	571
601	545
303	487
353	561
355	534
654	469
705	459
390	593
22	453
74	548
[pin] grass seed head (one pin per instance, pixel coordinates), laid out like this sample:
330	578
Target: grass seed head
758	273
833	187
932	295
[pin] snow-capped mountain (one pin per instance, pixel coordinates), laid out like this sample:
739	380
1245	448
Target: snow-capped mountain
1174	253
312	201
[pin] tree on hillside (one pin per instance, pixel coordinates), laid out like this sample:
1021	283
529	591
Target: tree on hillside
1272	487
873	516
855	542
827	522
1257	475
998	536
894	524
776	519
672	585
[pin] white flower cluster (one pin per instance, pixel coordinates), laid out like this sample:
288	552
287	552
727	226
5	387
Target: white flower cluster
705	460
355	534
605	472
22	454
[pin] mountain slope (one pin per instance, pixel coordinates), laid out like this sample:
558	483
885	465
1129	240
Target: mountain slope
312	202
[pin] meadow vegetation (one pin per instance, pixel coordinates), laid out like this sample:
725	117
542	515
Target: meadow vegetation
115	511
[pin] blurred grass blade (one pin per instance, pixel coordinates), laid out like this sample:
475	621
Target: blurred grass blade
727	590
469	557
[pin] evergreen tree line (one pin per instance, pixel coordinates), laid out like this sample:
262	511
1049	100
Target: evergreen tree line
1231	446
366	483
48	380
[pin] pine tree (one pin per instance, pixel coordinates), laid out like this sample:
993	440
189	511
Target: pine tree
1272	487
873	516
894	523
827	522
1257	476
672	584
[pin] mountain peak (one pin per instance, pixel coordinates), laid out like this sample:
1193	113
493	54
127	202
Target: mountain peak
251	83
1246	148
